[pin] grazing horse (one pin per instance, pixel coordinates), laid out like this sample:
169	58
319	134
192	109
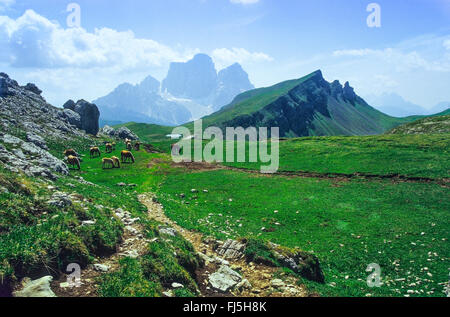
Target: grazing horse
107	163
137	146
95	152
70	152
114	146
127	155
129	146
74	161
127	140
109	148
116	161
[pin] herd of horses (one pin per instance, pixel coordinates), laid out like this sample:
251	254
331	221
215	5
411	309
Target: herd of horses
107	163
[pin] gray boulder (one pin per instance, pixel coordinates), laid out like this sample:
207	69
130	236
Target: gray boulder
90	115
125	133
231	249
225	279
36	288
60	200
107	130
70	104
72	117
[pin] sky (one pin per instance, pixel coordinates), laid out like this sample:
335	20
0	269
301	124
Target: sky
274	40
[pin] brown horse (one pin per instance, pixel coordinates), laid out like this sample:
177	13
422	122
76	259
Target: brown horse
114	146
127	155
74	161
137	146
95	152
116	161
70	152
109	148
107	163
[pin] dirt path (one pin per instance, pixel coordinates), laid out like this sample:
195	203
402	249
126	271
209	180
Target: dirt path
203	166
133	245
259	276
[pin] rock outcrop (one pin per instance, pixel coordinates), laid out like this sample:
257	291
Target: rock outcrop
27	124
121	133
83	115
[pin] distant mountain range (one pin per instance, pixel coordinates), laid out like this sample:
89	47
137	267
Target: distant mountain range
395	105
309	106
190	90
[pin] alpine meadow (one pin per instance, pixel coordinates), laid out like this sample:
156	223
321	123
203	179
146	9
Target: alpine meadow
256	151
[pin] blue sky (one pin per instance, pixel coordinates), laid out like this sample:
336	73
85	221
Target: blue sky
275	40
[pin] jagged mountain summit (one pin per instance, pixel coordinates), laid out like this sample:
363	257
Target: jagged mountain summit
309	106
190	90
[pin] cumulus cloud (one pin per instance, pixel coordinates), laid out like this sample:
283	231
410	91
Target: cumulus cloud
244	1
33	41
224	57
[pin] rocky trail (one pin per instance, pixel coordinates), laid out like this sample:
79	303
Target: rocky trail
133	245
225	272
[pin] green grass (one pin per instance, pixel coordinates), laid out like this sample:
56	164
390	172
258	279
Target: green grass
347	225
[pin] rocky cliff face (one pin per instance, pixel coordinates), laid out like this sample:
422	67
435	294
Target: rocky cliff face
192	80
28	123
232	81
312	107
191	90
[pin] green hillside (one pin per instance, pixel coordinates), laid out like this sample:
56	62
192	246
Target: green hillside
309	106
439	124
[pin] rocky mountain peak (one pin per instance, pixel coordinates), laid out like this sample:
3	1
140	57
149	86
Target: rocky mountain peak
194	79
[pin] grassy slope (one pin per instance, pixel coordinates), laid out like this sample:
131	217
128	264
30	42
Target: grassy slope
37	239
434	124
410	155
348	225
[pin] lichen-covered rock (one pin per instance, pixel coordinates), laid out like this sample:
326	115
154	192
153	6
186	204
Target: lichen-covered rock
36	140
125	133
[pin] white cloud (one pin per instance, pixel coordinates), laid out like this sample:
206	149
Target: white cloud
33	41
6	4
224	57
399	59
244	1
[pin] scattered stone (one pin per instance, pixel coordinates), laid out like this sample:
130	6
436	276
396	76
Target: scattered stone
224	279
88	223
60	200
177	285
167	231
36	288
231	249
101	268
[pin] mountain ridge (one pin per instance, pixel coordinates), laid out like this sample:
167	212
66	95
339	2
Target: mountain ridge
190	90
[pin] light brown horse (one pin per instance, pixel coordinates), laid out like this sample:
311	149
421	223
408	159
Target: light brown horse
109	148
126	156
116	161
74	161
95	152
107	163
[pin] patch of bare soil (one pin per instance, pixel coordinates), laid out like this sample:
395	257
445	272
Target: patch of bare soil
260	276
339	177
